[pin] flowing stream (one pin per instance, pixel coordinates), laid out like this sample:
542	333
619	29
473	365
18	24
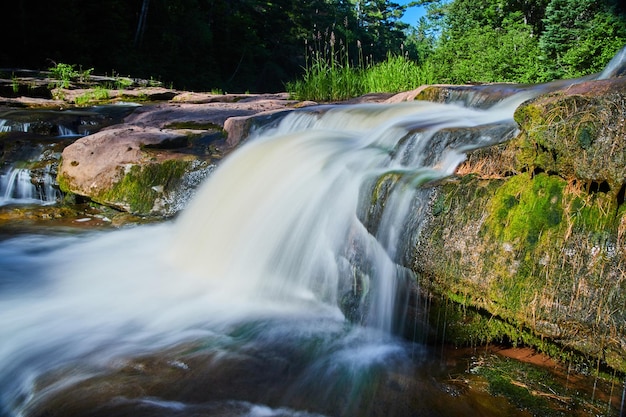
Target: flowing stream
276	250
280	291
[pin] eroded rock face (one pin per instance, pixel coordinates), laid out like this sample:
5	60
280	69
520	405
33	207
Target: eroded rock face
533	231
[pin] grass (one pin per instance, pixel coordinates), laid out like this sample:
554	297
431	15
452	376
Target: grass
66	73
95	95
330	74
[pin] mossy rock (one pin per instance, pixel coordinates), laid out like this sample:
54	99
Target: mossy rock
156	188
578	134
537	252
160	187
481	96
533	231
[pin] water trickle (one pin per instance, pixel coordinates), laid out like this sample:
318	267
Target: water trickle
616	67
69	132
12	126
22	186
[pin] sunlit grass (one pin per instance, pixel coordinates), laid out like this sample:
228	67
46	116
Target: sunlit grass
330	76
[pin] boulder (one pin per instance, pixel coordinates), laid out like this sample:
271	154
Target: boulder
533	231
150	164
117	167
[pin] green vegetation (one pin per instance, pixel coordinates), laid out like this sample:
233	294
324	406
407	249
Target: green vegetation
93	96
331	80
524	209
253	45
64	74
541	391
467	41
529	252
535	252
141	186
327	45
530	41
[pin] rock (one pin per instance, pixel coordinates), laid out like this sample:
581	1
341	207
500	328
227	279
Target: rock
115	167
578	133
151	163
533	231
239	127
82	96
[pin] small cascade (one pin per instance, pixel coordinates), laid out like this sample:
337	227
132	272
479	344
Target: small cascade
22	186
14	126
65	132
303	228
616	67
35	138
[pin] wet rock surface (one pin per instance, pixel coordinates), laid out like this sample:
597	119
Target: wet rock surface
532	231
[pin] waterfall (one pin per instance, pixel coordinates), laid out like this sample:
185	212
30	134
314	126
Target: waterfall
295	226
282	234
12	126
65	131
616	67
22	186
35	138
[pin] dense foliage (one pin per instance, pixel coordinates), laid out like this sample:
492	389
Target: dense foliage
259	45
525	41
253	45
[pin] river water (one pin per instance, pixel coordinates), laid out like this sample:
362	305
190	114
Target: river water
277	292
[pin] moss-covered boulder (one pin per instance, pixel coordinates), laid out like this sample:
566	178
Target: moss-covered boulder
138	170
533	231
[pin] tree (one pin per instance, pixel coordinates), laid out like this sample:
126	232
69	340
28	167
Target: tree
580	36
485	41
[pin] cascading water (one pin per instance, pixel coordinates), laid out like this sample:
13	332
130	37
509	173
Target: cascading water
294	228
278	292
32	143
275	249
17	187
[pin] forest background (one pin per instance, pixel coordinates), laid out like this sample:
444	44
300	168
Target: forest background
268	45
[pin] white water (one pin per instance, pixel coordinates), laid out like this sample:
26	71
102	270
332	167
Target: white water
17	187
276	232
8	126
616	66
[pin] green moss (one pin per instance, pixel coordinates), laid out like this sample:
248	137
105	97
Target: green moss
530	251
64	182
592	213
524	207
382	187
142	185
462	325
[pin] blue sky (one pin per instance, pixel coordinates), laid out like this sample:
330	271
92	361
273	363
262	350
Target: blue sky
412	14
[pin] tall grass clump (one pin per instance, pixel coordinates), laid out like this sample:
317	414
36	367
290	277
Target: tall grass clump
398	73
331	75
328	73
